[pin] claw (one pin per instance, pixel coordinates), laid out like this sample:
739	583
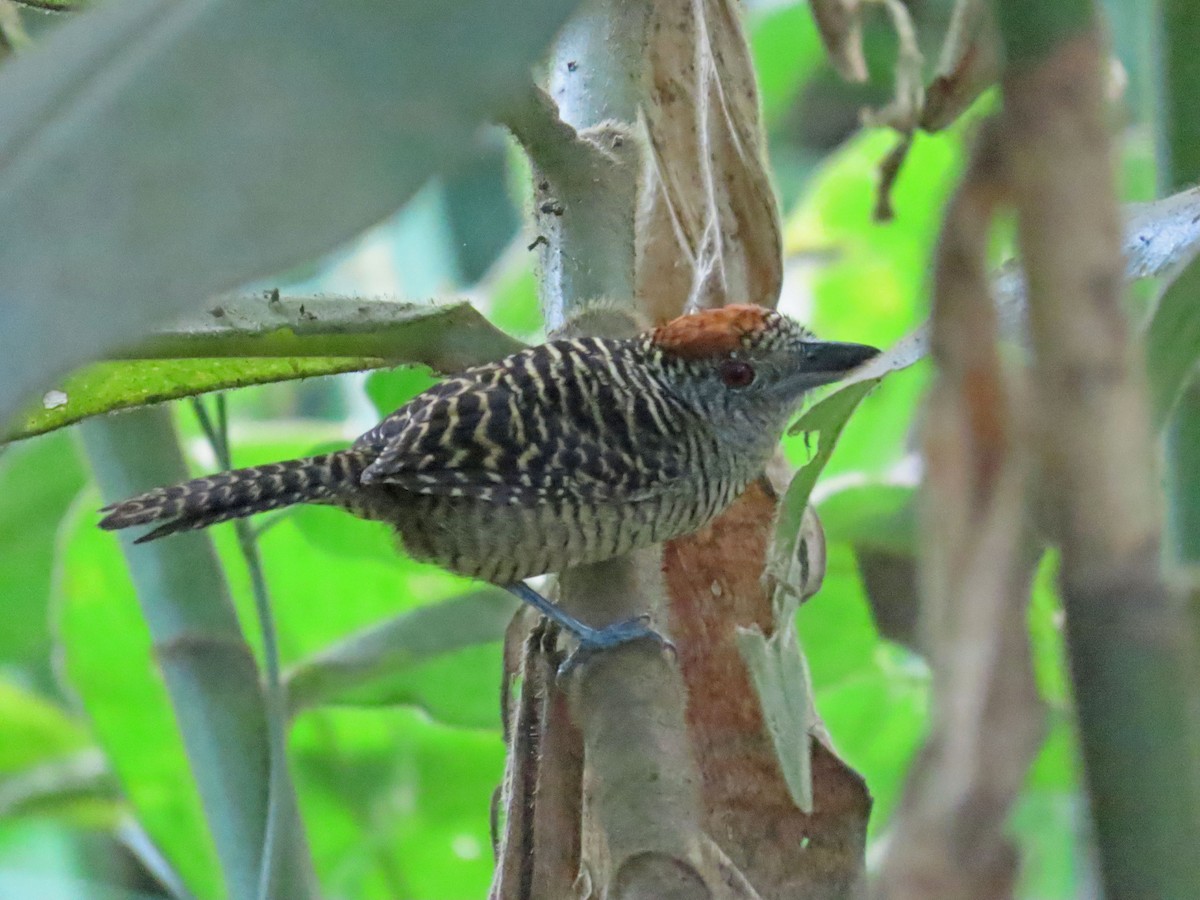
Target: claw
595	640
591	640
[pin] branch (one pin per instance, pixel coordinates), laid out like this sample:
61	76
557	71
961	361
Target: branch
976	573
1130	644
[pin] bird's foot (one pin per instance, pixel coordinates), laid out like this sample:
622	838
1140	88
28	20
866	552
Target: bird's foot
595	640
591	640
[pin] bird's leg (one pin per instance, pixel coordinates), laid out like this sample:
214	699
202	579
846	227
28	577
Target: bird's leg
591	640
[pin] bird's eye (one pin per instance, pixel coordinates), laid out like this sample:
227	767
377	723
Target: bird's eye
737	373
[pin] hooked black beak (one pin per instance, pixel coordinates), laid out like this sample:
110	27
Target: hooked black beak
824	362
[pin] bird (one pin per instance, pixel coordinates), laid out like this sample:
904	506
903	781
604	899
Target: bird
570	452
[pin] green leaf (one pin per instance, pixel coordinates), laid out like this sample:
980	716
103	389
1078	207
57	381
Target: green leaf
823	423
37	481
781	681
876	515
257	340
108	661
113	386
398	805
218	141
382	665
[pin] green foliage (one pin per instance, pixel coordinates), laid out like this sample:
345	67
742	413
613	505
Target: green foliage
29	517
292	125
127	707
394	666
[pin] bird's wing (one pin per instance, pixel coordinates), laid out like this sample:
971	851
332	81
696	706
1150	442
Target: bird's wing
493	435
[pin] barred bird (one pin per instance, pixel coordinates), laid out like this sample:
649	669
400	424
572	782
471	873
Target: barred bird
572	452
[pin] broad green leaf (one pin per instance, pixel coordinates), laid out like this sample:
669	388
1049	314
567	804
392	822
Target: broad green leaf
258	340
159	151
876	515
37	482
109	663
871	694
398	805
34	730
114	386
383	665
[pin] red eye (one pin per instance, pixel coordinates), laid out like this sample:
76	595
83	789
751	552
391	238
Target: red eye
736	373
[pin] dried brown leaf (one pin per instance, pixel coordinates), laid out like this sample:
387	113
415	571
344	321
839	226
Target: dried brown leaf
970	63
840	24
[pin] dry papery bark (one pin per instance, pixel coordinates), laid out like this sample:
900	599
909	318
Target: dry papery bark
646	774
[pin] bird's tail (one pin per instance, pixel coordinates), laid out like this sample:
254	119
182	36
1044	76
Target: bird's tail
234	495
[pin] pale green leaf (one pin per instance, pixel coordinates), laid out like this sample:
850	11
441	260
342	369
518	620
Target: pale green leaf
256	340
375	666
155	152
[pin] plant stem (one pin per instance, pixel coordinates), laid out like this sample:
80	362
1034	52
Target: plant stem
1131	650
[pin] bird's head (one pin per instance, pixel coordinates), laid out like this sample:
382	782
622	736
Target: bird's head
746	369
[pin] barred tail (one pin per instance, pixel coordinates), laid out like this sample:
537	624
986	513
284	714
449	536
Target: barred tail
234	495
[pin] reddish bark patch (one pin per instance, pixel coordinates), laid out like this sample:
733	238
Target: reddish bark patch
714	581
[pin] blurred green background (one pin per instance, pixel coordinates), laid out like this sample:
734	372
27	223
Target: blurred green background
395	790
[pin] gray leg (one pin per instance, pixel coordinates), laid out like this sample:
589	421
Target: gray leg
591	640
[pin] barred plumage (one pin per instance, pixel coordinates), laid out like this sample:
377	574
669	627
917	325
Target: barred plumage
571	452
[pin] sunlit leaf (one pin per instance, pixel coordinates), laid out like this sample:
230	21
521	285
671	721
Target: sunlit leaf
257	340
397	804
389	664
109	663
37	482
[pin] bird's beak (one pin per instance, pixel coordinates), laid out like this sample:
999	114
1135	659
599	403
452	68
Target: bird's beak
824	362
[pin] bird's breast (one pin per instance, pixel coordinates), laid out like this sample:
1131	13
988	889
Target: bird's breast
506	542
